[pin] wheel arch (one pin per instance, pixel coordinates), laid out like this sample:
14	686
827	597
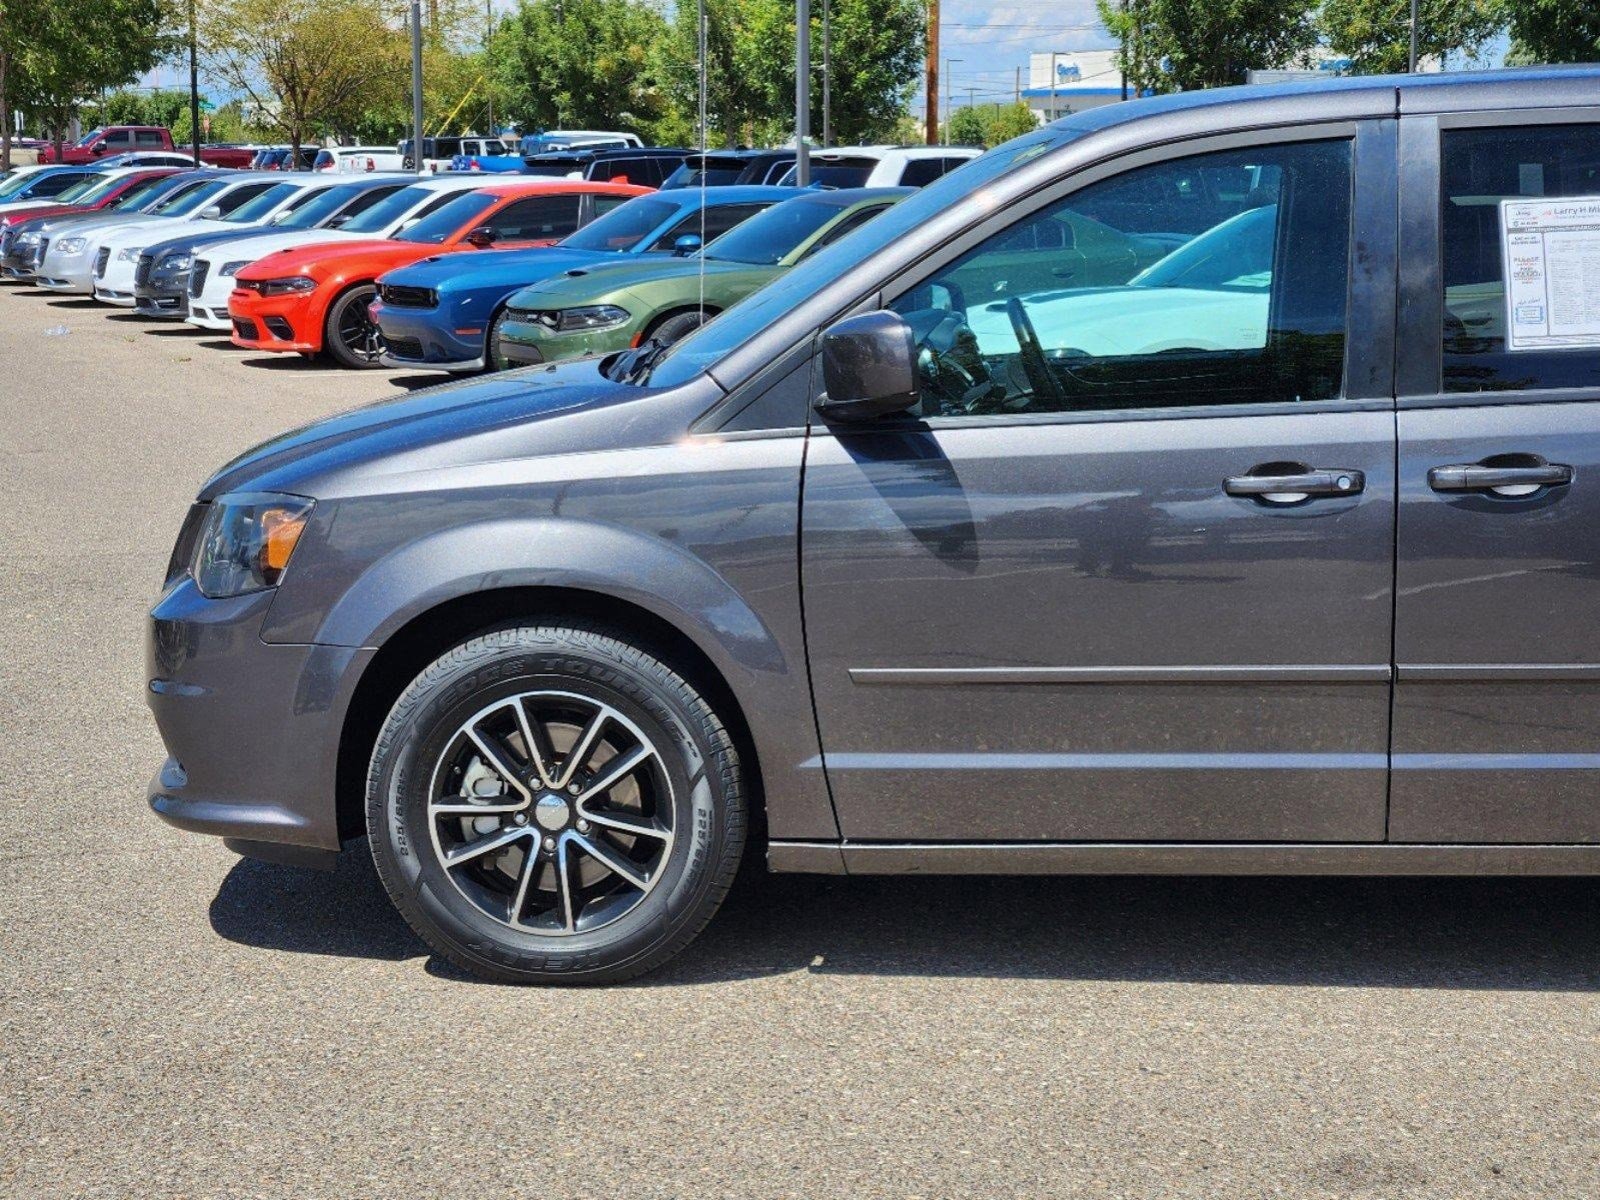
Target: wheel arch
430	633
677	310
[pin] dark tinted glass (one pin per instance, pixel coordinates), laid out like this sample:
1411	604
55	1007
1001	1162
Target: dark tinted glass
1479	169
1213	279
622	227
711	222
535	218
448	219
922	170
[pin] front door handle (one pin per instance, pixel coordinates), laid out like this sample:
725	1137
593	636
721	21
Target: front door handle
1523	476
1291	483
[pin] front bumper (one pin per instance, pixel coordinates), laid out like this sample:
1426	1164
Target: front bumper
422	338
71	273
20	263
528	342
274	322
114	283
163	296
251	729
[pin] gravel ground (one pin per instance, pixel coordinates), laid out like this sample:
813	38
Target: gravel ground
176	1021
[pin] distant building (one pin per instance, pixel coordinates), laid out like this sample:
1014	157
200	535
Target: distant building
1069	81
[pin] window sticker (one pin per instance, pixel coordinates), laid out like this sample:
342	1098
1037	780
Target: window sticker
1552	269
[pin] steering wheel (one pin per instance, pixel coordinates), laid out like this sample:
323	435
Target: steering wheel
956	376
1034	364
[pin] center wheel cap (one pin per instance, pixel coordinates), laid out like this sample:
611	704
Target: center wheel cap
551	812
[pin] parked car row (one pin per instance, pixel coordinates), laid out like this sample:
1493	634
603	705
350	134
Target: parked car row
372	268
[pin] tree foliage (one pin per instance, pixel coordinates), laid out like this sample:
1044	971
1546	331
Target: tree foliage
306	66
878	49
579	64
1555	31
1173	45
54	54
1375	34
990	124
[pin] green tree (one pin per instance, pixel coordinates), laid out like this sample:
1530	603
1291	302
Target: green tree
968	127
579	64
1009	121
878	49
1555	31
54	53
1375	34
1176	45
306	66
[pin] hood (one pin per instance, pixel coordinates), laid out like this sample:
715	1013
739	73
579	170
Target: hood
393	444
27	212
583	282
503	268
90	219
251	246
302	260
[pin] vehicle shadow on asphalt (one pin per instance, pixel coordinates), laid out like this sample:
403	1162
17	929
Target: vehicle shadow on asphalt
1514	934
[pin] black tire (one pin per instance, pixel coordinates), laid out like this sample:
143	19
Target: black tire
493	360
677	327
696	761
349	312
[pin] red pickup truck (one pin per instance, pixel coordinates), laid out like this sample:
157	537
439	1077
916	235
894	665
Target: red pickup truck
129	139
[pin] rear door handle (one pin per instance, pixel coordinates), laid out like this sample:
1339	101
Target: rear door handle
1290	483
1502	479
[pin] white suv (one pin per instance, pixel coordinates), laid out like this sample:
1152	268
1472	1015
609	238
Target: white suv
883	166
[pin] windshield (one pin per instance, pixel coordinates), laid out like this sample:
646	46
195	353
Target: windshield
90	136
443	223
90	187
259	207
188	202
1235	256
320	206
142	193
838	173
382	215
769	236
623	227
744	320
18	183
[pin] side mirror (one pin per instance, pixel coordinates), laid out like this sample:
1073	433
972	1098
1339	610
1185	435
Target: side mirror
211	213
869	368
688	244
481	238
98	148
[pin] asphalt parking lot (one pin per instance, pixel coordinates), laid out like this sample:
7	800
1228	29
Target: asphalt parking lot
176	1021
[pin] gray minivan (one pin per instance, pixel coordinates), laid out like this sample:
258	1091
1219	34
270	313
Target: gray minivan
1178	488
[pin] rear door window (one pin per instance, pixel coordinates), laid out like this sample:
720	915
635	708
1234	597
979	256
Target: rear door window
535	218
1481	170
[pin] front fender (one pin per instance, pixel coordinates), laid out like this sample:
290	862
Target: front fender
412	578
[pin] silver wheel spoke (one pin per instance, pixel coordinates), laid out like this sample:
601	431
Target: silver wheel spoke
615	771
535	743
627	823
497	760
530	868
493	841
614	862
583	747
566	910
466	808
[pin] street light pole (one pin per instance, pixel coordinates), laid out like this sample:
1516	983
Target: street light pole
416	86
1055	104
802	91
1412	58
827	73
194	86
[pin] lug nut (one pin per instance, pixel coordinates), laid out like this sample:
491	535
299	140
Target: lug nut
521	818
574	789
583	827
549	843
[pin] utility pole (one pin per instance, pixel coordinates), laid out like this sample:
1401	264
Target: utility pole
1412	57
930	119
416	87
488	36
1018	97
1124	55
1055	105
827	73
194	86
949	100
802	91
700	59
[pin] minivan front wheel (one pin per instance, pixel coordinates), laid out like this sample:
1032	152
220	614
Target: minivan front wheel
554	804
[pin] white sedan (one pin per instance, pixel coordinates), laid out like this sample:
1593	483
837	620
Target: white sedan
211	278
242	207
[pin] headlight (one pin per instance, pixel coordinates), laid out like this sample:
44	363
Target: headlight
592	316
281	287
229	270
66	245
131	254
246	542
175	262
32	239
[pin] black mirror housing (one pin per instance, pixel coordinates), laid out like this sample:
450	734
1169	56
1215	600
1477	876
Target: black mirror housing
481	237
869	367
